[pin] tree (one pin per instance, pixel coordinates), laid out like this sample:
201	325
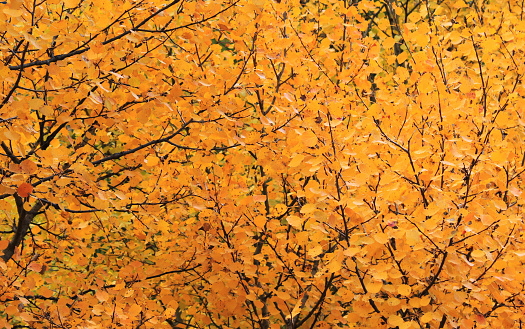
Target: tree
261	164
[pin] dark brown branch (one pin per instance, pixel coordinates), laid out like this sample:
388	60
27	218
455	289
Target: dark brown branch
500	252
370	300
140	147
434	278
328	284
10	154
50	60
25	218
21	70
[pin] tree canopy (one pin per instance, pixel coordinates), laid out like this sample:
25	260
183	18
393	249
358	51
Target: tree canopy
262	164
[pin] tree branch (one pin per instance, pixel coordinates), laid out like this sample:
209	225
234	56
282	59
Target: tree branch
26	217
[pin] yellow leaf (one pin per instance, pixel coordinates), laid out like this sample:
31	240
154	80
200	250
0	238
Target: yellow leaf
134	310
334	266
350	252
6	190
45	291
426	83
297	309
388	43
402	57
412	236
10	134
366	240
432	210
425	300
495	292
374	286
414	302
260	221
280	209
427	317
308	208
70	3
151	161
266	121
36	103
26	316
309	138
395	320
46	110
486	219
144	114
169	312
478	254
500	204
315	251
295	221
404	290
422	39
12	12
381	238
296	160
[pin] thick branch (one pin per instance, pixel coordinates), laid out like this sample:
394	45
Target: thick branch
9	153
26	217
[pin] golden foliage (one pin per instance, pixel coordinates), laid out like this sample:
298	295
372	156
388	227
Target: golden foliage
261	164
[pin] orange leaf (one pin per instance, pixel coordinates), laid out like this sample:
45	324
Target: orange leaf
354	217
28	166
259	198
37	267
24	190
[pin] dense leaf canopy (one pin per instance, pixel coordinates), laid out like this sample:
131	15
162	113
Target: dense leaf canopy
262	164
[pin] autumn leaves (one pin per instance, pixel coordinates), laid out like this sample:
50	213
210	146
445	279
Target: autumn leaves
258	164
